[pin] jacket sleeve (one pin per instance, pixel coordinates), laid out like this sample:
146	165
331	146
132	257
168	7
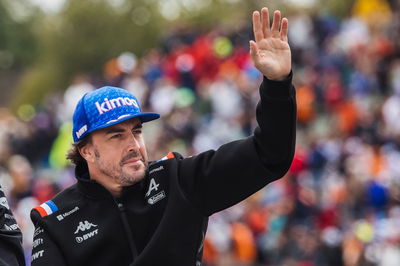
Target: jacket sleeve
11	251
215	180
44	250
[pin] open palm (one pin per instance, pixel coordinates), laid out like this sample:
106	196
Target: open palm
270	51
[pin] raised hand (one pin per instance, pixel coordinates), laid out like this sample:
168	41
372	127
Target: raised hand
270	51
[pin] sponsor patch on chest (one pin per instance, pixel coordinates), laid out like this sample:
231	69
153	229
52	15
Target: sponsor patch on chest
84	231
67	213
157	169
155	193
80	239
154	199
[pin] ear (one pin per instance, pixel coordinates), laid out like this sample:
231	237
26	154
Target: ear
87	152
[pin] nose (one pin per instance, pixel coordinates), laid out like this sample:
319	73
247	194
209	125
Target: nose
133	142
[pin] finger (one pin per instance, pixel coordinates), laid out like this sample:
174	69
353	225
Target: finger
258	34
253	51
265	22
284	29
275	23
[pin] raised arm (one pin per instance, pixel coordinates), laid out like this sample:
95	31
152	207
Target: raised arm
215	180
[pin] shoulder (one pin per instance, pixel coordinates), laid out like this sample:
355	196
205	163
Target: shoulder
171	156
62	201
167	164
46	208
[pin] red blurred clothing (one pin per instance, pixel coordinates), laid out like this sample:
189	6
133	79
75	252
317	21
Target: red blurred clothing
257	219
299	163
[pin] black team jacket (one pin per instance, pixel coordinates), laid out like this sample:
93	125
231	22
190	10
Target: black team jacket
11	252
163	219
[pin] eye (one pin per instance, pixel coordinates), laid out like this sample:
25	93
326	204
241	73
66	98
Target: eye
116	136
137	131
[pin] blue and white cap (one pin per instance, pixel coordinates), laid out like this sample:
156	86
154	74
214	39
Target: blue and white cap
105	107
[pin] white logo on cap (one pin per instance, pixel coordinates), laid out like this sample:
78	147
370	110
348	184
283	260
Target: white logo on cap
108	105
81	131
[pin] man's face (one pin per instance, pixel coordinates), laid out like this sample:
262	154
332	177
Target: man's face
119	153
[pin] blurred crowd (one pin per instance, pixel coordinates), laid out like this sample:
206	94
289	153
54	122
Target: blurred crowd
339	204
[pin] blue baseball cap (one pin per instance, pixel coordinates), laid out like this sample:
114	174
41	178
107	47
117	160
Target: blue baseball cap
105	107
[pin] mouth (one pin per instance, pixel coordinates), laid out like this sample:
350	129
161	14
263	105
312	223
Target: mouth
132	161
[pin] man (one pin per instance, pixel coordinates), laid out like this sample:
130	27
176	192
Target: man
126	211
11	252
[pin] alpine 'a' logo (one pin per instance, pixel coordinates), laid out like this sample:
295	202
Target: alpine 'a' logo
153	186
83	226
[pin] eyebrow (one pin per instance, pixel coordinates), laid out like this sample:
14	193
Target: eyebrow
120	129
115	130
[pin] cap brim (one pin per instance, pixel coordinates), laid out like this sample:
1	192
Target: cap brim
147	117
144	117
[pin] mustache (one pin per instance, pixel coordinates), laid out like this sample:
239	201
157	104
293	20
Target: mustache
131	155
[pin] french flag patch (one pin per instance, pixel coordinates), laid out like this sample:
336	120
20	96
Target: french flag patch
170	155
46	208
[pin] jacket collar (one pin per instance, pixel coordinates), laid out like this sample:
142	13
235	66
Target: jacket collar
93	189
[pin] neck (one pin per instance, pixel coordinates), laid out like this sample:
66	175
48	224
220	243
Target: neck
114	189
107	182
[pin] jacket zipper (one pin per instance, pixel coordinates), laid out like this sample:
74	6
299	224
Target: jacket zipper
132	245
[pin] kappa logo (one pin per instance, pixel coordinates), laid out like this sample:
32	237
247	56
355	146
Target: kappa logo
108	105
83	226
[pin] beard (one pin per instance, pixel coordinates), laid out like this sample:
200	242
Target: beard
120	173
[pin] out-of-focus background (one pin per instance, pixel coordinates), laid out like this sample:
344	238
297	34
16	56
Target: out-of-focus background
188	60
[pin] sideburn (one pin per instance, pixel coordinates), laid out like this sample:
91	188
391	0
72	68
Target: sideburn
96	153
